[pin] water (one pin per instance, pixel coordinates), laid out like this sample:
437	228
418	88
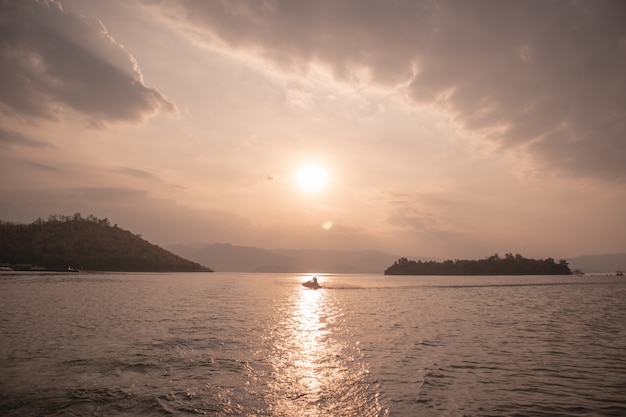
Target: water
227	344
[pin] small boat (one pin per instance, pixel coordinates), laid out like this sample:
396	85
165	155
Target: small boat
312	284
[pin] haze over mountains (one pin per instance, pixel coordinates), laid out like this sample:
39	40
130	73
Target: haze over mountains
230	258
609	263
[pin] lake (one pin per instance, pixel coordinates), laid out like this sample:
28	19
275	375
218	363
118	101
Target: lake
229	344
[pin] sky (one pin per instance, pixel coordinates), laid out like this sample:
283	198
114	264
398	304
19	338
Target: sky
442	129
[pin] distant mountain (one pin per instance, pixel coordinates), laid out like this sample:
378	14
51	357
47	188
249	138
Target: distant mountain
85	243
608	263
333	261
230	258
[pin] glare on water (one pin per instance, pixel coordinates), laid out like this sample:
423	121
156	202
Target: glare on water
316	372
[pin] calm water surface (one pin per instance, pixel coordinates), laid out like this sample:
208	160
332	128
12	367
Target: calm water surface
227	344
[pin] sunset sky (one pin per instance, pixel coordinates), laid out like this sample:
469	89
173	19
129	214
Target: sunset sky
453	129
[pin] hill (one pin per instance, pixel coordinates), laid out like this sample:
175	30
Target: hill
89	243
231	258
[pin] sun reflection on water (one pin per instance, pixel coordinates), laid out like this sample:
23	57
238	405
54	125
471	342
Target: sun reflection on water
317	371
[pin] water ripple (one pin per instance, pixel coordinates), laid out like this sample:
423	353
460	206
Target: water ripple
261	345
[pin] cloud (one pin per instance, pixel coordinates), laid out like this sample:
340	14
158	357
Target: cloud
53	62
138	173
9	138
543	79
110	195
145	175
42	167
420	212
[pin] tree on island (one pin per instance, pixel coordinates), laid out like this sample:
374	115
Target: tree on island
493	265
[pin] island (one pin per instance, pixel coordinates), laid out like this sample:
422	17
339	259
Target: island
76	244
493	265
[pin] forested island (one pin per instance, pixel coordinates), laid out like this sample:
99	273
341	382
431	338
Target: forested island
78	243
494	265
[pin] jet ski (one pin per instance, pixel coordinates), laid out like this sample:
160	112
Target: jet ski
312	284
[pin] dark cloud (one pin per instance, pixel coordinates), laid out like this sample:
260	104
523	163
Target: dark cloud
52	61
543	77
10	138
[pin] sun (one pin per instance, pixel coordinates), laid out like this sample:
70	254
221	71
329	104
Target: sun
312	178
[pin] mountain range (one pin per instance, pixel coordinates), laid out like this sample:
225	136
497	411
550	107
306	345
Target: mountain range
229	258
225	257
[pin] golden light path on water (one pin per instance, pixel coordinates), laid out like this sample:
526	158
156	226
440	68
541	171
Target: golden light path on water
318	370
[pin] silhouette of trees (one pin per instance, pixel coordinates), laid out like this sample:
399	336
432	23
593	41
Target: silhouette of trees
493	265
88	243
